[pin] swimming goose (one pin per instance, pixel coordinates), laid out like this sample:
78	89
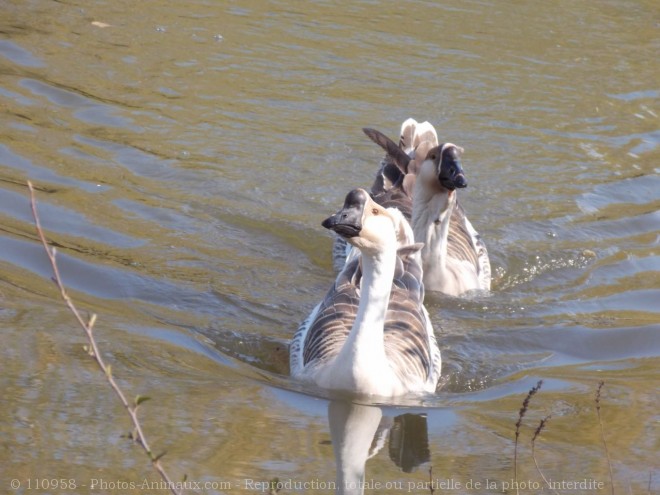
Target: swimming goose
455	259
392	188
371	333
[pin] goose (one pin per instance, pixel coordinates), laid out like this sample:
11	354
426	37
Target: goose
421	178
455	259
370	335
392	187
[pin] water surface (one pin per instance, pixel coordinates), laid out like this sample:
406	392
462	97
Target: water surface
184	155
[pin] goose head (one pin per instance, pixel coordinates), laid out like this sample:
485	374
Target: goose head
367	225
442	166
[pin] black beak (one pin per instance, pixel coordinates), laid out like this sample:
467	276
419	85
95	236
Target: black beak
451	173
347	222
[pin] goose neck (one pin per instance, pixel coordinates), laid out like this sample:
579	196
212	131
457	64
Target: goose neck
377	275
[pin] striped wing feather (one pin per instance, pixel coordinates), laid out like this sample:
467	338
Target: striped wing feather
396	197
465	244
321	336
406	334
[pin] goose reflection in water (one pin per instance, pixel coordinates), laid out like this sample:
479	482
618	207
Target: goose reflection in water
359	432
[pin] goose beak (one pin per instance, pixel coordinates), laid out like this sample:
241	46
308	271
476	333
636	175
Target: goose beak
451	174
347	222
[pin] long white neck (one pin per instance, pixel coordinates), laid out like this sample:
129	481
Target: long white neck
377	274
430	221
362	365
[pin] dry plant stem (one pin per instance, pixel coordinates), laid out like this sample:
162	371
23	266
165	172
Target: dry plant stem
521	414
87	326
536	434
602	434
431	489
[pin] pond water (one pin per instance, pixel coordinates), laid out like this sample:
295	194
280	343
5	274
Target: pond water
184	155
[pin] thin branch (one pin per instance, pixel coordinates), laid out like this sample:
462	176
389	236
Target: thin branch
93	350
602	434
521	414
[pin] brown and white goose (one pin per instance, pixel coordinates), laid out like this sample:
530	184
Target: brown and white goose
371	333
421	177
392	187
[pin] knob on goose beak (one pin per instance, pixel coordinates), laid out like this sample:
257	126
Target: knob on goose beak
347	222
451	173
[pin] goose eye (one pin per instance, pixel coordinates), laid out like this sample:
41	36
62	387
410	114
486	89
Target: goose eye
374	211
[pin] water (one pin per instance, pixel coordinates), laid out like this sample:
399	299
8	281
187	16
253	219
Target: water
184	156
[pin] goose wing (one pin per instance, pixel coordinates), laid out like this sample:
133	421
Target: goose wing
465	245
410	342
398	197
395	180
340	253
388	174
323	333
393	166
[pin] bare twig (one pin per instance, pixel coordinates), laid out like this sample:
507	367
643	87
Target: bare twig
93	350
521	414
538	431
602	434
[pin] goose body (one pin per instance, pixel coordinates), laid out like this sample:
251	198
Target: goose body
422	177
371	333
454	257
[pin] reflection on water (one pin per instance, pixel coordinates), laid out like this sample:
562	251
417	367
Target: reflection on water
359	432
353	429
184	156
